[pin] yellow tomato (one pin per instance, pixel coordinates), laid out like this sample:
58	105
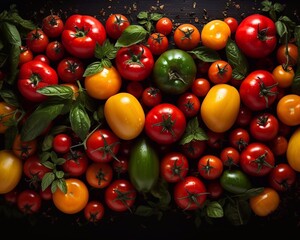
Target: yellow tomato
288	109
293	150
124	115
284	77
265	202
103	84
6	115
220	107
11	168
215	34
74	200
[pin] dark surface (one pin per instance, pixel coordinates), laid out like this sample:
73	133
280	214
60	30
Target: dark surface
174	225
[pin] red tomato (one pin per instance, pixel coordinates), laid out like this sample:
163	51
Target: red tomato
257	159
230	157
215	189
37	41
232	23
70	69
29	201
55	51
76	163
282	177
120	166
158	43
135	88
174	167
115	24
99	174
279	145
220	71
134	62
26	55
194	149
165	123
102	145
52	25
151	97
256	36
94	211
164	25
190	193
210	167
189	104
258	91
200	87
81	34
43	58
34	75
264	127
215	140
239	138
120	195
34	170
62	143
244	116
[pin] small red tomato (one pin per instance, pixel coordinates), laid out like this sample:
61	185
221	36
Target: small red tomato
189	104
164	25
62	143
210	167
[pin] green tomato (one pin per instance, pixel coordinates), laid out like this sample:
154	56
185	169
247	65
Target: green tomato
235	181
174	71
143	166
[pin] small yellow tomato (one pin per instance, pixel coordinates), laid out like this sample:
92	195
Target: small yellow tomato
293	150
11	168
124	115
215	34
288	109
265	202
103	84
283	76
220	107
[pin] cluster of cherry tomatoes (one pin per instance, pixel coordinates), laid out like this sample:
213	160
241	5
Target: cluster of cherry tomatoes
110	113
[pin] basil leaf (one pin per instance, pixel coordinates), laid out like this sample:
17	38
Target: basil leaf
80	121
9	97
237	60
131	35
205	54
57	90
93	68
40	120
193	132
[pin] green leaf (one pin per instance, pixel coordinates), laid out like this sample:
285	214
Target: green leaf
59	174
155	16
214	210
9	97
160	191
80	121
40	119
193	132
60	91
48	164
47	143
237	212
205	54
142	15
61	184
251	193
47	180
237	60
133	34
106	63
107	50
93	68
144	211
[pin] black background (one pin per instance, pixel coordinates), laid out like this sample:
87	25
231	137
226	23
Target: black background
174	225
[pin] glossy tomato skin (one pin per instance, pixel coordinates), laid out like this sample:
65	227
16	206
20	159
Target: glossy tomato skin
220	107
230	157
282	177
288	109
239	138
151	97
189	104
174	71
258	90
62	143
81	34
134	62
10	171
194	149
99	174
34	75
165	123
265	203
34	170
186	36
26	55
190	193
115	24
24	149
210	167
52	25
120	195
257	159
94	211
70	69
37	40
287	54
102	145
55	51
220	71
164	25
124	115
293	150
235	181
256	36
29	201
76	163
174	167
233	23
158	43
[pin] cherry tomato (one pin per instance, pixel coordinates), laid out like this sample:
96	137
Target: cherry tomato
43	58
287	54
186	36
232	23
190	193
279	145
215	189
37	41
164	25
26	55
158	43
151	97
239	138
288	109
34	170
135	88
220	71
200	87
244	116
284	76
70	69
29	201
76	163
230	157
115	24
120	195
189	104
210	167
174	167
99	174
282	177
94	211
55	51
24	149
52	25
62	143
194	149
